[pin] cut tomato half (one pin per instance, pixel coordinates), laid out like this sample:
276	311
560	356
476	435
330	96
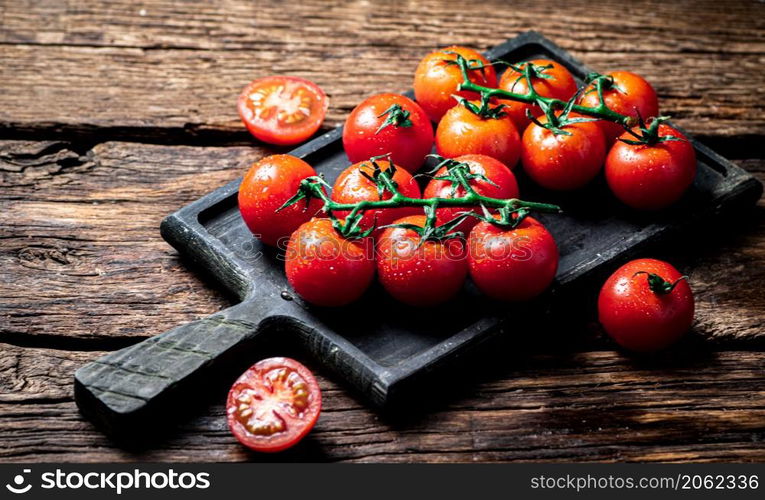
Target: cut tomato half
282	110
273	405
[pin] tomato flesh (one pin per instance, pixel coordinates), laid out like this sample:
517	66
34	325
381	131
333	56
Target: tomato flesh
282	110
273	405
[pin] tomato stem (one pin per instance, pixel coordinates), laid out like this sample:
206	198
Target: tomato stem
601	111
659	285
459	173
396	116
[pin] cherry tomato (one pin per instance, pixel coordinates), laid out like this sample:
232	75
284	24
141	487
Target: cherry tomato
629	95
273	405
563	162
462	132
282	110
268	184
555	81
645	305
388	123
505	186
351	186
437	77
326	269
419	273
512	264
651	177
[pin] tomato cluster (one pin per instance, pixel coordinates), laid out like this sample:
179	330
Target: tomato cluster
422	240
422	262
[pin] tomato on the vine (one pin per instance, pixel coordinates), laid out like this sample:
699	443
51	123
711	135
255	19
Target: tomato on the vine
325	268
273	405
388	124
437	77
549	79
419	272
651	176
512	264
282	110
353	186
646	305
563	159
463	131
627	94
268	184
491	178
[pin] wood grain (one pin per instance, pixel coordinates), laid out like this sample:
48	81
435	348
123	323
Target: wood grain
594	406
84	270
116	71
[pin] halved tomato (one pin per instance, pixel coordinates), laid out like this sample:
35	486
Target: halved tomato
282	110
273	405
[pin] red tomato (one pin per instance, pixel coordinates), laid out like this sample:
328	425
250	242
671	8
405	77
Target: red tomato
462	132
388	123
563	162
352	187
640	311
505	187
419	273
559	84
512	264
437	77
268	184
629	95
326	269
651	177
282	110
273	405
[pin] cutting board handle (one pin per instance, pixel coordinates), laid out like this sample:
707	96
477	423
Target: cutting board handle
128	388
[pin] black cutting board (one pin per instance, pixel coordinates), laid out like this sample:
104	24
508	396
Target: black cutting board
130	388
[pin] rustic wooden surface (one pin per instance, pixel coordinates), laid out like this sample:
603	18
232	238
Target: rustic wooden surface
113	114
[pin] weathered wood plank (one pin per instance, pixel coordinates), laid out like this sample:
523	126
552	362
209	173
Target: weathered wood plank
595	406
81	256
681	26
109	69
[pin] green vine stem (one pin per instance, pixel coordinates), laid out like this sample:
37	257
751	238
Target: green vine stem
459	173
601	111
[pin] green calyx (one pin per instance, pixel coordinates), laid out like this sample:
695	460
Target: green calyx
556	122
458	174
383	179
529	71
484	110
659	285
471	64
649	135
395	116
431	230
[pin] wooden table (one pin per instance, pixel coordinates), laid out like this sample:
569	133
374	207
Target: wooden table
114	114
